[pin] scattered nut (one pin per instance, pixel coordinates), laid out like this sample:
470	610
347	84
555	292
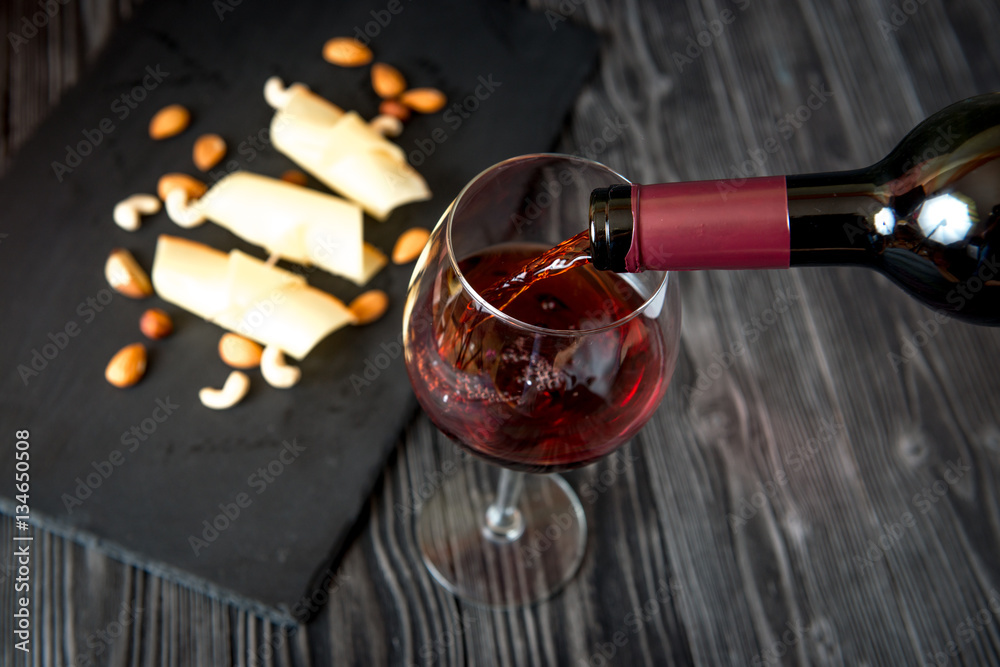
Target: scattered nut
169	121
275	93
156	324
409	245
369	306
424	100
208	151
126	276
387	126
275	371
239	352
387	80
394	108
346	52
295	177
128	210
127	366
180	211
192	186
236	387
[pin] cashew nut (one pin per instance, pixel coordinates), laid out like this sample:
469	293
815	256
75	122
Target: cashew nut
275	93
276	371
128	210
236	387
180	212
386	125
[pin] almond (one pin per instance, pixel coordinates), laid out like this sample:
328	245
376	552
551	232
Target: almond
369	306
209	149
189	184
156	324
126	276
394	108
295	177
127	366
239	352
169	121
346	52
387	80
409	245
424	100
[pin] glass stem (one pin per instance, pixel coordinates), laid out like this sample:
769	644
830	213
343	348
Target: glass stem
503	520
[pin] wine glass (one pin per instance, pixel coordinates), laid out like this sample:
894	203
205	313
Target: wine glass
561	376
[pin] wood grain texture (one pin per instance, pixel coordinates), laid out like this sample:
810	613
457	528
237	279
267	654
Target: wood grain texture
804	501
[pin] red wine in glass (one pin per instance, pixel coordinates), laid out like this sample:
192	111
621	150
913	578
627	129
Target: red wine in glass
555	395
564	256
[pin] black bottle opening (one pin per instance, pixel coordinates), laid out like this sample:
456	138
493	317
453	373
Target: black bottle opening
610	227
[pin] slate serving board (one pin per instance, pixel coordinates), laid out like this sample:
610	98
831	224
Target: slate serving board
143	471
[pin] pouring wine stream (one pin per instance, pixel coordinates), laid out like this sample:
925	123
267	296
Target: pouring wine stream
559	259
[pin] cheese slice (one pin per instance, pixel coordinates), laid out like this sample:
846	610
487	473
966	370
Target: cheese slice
294	222
342	151
246	295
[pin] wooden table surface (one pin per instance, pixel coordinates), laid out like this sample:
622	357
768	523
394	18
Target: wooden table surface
805	502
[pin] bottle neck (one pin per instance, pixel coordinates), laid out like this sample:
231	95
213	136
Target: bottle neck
754	223
726	224
832	217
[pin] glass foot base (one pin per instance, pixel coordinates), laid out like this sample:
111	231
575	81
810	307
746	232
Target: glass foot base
524	564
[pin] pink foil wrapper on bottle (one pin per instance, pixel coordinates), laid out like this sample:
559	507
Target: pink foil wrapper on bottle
725	224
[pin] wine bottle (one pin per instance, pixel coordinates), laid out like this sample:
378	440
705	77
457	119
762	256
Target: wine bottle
926	216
